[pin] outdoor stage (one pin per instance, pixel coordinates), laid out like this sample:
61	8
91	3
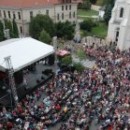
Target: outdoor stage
25	58
32	77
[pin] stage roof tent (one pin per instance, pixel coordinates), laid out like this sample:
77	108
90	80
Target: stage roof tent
23	52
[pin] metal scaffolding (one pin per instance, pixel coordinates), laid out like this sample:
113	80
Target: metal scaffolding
11	78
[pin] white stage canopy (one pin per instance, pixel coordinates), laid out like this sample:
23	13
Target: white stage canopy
23	52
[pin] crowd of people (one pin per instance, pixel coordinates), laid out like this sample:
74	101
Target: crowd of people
97	98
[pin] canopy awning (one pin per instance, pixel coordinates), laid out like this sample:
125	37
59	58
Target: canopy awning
23	52
62	52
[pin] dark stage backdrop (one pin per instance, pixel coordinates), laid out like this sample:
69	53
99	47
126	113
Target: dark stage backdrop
18	76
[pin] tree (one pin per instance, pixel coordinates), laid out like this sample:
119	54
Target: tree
81	54
8	25
79	67
67	60
39	23
109	4
65	30
93	1
87	25
45	37
107	14
1	31
85	5
15	29
59	29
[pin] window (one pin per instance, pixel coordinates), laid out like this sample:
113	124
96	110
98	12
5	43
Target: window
19	15
62	15
70	15
58	16
31	14
4	14
74	14
62	7
14	16
47	12
70	7
121	12
21	29
66	7
9	14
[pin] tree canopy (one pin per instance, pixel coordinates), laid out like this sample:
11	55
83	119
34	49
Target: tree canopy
8	25
85	5
87	25
39	23
93	1
12	26
15	29
1	31
109	4
45	37
65	30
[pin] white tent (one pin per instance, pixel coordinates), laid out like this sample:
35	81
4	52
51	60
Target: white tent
23	52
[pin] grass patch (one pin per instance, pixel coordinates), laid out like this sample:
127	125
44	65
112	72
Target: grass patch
82	12
99	31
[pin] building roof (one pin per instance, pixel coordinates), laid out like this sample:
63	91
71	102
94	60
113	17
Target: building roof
23	52
27	3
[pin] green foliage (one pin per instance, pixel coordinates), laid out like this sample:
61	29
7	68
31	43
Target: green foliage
99	31
79	67
8	25
1	32
81	54
107	14
93	1
45	37
65	30
85	5
67	60
15	29
39	23
111	2
83	13
87	25
108	9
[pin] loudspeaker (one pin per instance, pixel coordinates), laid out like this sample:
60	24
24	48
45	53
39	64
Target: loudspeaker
18	76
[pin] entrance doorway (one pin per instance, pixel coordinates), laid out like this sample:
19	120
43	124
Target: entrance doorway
117	35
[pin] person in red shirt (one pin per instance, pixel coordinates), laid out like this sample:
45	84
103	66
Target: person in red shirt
57	107
9	125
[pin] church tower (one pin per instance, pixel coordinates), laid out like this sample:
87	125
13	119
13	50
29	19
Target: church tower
119	24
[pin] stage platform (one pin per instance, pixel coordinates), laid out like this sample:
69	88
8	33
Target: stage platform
32	84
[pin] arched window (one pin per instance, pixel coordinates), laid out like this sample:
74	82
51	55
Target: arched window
121	12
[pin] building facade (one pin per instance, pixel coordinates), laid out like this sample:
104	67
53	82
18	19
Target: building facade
23	10
119	24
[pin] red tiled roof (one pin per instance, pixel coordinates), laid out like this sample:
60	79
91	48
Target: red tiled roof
27	3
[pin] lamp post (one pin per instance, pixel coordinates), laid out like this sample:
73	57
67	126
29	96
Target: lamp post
55	49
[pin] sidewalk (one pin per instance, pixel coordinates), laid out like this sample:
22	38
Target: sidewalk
95	7
86	63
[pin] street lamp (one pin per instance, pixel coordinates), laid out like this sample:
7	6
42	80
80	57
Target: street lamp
55	49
